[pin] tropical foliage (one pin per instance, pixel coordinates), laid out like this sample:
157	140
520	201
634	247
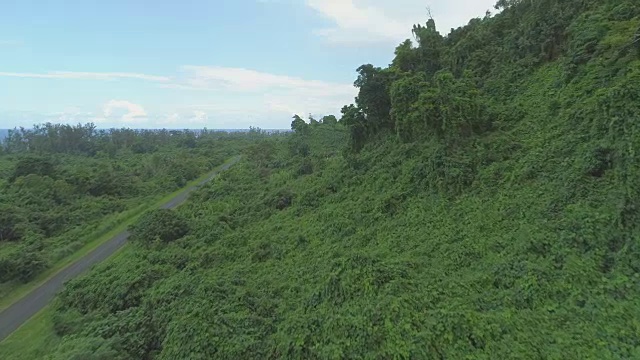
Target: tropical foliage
60	184
479	200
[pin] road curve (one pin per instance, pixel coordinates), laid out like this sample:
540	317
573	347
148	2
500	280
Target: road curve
19	312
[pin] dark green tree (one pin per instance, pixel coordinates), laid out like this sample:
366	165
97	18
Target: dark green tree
11	223
430	47
329	120
355	120
406	57
313	121
373	96
33	164
299	126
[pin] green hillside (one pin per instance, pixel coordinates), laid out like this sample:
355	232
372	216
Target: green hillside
480	200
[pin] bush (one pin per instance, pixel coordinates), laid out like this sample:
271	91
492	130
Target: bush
66	322
162	225
32	164
22	264
11	221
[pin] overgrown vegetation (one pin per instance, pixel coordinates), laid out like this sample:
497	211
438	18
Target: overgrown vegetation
159	226
60	184
486	206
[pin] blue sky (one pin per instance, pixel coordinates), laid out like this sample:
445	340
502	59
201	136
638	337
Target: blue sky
197	63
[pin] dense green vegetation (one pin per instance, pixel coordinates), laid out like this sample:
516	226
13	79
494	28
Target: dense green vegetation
61	185
478	201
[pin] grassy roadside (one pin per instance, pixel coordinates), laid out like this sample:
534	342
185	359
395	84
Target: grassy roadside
36	338
33	340
108	231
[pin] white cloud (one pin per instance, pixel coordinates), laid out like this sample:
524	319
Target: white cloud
86	75
124	111
229	93
246	80
258	92
357	23
384	21
227	98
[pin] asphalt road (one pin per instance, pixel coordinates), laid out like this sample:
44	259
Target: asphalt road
17	314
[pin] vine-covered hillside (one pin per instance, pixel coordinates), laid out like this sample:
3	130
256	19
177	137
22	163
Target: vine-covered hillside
479	200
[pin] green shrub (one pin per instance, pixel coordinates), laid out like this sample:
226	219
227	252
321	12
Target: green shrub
161	225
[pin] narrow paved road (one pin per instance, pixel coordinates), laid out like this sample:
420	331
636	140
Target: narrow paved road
17	314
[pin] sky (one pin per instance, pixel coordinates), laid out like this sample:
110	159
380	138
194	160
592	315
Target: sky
224	64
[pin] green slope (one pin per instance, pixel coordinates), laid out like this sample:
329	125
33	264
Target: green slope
494	215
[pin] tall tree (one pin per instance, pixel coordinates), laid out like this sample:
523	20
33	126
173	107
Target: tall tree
298	125
373	96
329	120
430	47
